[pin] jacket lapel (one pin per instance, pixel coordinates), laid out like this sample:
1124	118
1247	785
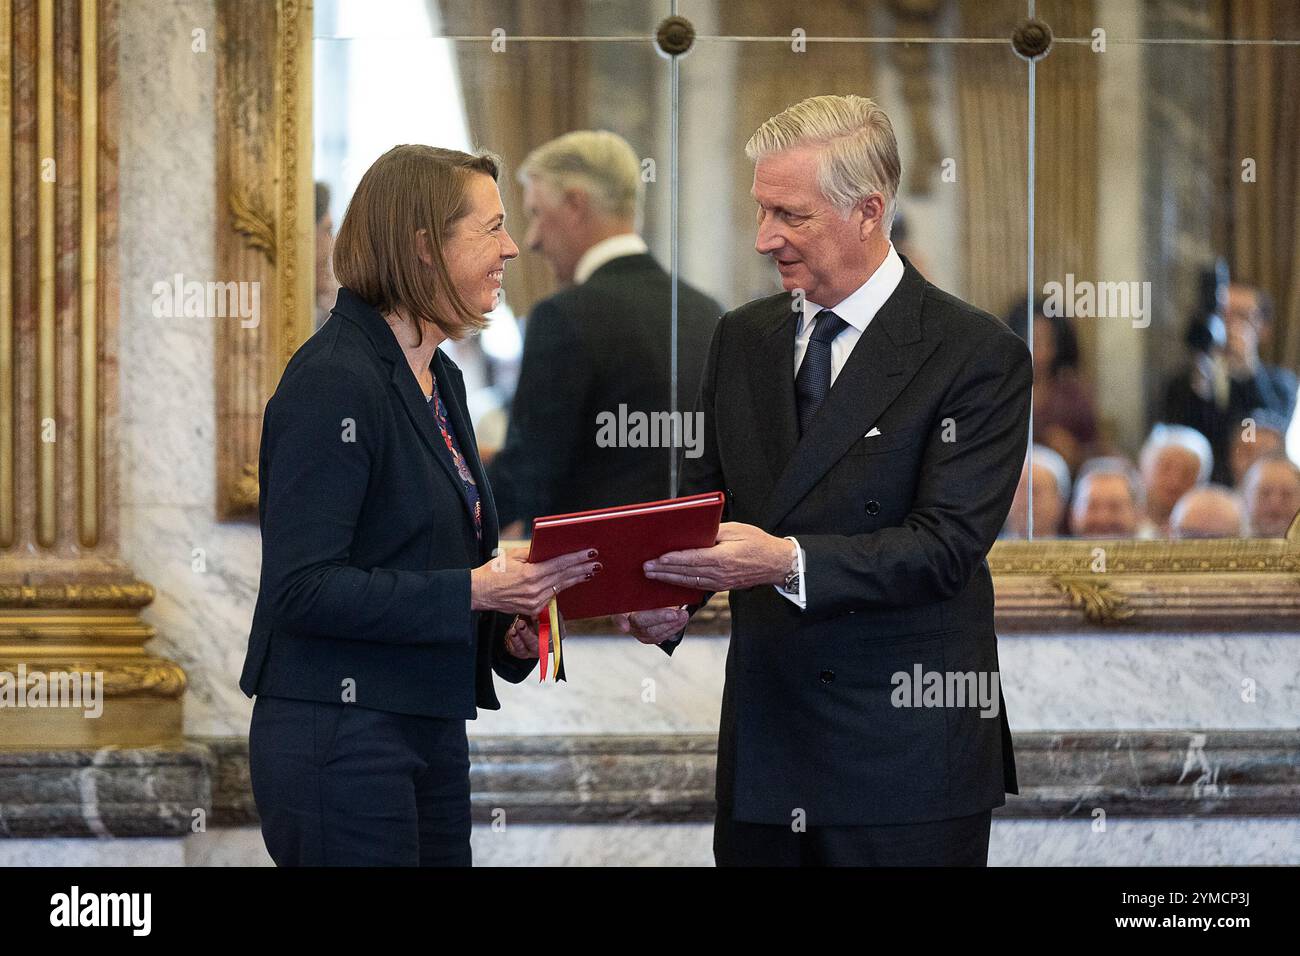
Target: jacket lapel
353	307
886	357
421	415
448	373
772	385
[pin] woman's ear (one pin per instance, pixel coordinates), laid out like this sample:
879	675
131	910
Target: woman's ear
422	247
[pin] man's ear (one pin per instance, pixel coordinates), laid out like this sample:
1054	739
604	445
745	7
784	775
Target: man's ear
578	202
873	213
422	247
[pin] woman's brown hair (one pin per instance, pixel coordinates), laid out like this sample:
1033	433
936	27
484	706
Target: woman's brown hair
407	189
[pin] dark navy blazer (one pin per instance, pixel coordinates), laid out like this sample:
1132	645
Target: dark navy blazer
367	537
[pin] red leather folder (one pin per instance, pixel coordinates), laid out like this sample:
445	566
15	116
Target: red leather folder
627	537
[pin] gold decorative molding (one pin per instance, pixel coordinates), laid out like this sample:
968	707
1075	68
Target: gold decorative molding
1068	585
129	595
7	410
1100	605
264	181
254	225
151	678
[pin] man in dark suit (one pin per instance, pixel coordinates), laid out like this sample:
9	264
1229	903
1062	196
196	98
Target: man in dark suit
869	431
598	352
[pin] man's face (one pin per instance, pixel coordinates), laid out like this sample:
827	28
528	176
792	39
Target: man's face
552	228
478	246
1242	319
1106	509
1273	499
1048	508
1244	453
1173	473
813	246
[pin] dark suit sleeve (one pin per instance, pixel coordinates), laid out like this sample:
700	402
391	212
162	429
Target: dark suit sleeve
545	432
315	483
963	494
703	474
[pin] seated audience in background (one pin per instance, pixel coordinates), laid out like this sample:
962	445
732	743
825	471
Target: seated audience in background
1109	501
1208	511
1174	460
1065	416
1051	492
601	345
1226	380
1264	435
1271	490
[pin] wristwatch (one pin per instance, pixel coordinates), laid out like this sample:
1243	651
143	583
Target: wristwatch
791	583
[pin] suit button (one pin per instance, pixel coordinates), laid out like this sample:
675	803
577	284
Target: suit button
827	677
873	507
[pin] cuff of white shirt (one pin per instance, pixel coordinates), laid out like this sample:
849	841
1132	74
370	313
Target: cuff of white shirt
797	597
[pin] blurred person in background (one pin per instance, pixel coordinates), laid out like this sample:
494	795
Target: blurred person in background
1264	435
1109	501
1208	511
1051	492
1065	415
1271	490
327	287
601	344
1174	459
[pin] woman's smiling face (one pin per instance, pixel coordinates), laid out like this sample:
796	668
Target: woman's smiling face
478	246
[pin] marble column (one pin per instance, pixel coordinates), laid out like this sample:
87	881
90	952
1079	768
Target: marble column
74	672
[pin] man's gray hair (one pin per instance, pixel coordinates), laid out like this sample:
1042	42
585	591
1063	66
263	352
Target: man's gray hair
599	162
858	152
1164	435
1050	459
1110	465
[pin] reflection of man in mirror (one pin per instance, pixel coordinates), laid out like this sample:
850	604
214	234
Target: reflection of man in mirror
1174	460
1051	492
869	431
1108	501
1208	511
1271	489
602	346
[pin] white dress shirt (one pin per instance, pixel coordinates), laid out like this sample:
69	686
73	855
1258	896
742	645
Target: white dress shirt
615	247
857	310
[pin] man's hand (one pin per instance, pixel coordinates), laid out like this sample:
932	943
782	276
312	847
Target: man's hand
653	627
521	639
744	557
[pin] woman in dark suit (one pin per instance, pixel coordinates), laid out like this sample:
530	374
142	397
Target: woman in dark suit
384	607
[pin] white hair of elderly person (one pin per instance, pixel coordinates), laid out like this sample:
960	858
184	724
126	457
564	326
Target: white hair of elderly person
1208	511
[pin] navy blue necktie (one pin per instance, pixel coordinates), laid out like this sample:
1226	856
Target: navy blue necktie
814	378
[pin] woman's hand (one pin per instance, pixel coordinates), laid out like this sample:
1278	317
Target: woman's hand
509	583
521	638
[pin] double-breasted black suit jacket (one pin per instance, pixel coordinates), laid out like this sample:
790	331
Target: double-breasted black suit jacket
895	529
367	536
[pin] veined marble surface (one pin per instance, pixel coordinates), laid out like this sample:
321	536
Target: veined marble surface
1056	682
1130	842
167	409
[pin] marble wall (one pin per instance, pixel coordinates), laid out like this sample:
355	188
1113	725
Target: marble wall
167	427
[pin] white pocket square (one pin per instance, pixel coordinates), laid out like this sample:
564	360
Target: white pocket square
872	434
